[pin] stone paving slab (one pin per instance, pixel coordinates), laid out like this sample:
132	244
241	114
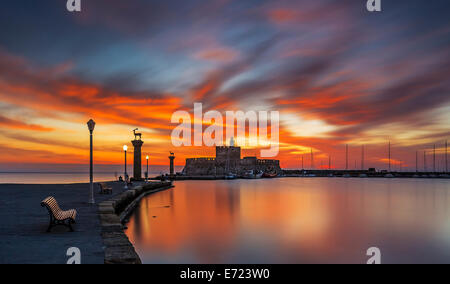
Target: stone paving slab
23	224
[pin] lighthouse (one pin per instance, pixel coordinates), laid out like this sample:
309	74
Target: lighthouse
137	163
171	158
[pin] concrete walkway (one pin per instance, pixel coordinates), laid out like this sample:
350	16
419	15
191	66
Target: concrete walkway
23	224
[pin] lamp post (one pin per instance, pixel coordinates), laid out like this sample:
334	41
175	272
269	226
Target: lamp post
125	148
146	174
91	126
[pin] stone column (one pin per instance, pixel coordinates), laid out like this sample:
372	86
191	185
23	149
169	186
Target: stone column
137	168
171	158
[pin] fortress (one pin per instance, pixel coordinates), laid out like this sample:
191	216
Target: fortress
228	160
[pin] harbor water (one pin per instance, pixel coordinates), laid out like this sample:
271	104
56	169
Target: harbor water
295	220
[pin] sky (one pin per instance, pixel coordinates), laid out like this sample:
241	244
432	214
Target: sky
336	73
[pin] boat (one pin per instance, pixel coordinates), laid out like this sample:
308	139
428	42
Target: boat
270	175
230	176
252	175
389	176
363	175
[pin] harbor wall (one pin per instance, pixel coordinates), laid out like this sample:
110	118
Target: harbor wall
217	167
113	212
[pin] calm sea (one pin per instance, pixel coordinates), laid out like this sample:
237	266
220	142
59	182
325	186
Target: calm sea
295	220
57	178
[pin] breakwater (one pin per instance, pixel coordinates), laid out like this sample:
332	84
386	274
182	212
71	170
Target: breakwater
363	173
319	173
112	214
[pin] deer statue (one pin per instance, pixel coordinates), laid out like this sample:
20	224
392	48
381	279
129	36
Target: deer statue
136	135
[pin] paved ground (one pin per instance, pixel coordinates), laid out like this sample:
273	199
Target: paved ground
23	224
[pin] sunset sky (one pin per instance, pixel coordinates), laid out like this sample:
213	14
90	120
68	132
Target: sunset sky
336	73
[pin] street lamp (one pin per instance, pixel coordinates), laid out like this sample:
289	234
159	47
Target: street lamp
146	174
91	126
125	148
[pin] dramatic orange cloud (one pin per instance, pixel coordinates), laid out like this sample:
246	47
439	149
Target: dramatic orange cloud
10	123
336	77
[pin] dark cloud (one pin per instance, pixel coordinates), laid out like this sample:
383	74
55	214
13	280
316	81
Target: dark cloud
135	62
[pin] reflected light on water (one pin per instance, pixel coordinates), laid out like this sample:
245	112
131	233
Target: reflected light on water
294	220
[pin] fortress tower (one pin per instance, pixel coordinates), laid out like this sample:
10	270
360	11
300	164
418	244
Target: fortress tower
228	153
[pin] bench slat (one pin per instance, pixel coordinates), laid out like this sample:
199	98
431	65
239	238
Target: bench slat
59	214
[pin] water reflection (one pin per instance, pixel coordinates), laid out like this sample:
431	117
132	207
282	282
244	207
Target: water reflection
294	221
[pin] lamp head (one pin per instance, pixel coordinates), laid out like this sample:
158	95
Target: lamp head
91	125
146	157
125	147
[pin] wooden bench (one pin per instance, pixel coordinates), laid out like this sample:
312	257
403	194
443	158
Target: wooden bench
58	216
104	188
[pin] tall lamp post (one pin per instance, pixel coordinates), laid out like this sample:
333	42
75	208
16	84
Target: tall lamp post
125	148
146	174
91	126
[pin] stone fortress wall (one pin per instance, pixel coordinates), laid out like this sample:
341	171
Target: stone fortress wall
228	160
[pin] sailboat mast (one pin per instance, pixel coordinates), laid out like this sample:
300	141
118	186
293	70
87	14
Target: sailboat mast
389	155
417	161
346	157
446	159
303	156
362	158
434	158
425	160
